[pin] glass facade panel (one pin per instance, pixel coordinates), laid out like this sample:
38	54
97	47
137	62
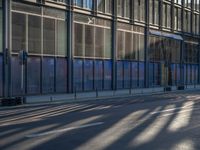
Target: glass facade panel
61	38
34	34
18	32
49	36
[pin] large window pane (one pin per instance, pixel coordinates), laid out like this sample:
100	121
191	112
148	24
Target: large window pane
62	38
34	34
89	41
18	32
78	39
49	36
99	42
107	52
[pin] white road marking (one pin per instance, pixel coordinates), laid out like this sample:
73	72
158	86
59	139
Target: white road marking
64	130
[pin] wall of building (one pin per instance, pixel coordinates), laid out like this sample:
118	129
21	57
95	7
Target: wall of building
89	45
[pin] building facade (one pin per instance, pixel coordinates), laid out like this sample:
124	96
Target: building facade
67	46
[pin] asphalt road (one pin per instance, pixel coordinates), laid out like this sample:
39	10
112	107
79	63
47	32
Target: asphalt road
158	122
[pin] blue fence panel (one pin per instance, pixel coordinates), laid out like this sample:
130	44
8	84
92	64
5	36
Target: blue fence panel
33	75
141	74
134	69
98	74
189	74
48	75
120	78
78	75
61	75
88	75
107	75
16	77
151	74
157	74
127	74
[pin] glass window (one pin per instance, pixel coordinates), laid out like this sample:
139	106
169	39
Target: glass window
78	40
34	34
89	41
139	10
48	36
61	38
120	44
18	32
107	41
99	42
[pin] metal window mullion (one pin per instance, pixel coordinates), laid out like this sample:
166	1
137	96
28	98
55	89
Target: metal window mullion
55	51
83	39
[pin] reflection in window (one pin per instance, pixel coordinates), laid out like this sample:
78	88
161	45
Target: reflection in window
18	32
92	40
49	36
104	6
84	3
34	34
62	38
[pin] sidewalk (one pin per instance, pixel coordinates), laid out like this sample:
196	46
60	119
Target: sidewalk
96	96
